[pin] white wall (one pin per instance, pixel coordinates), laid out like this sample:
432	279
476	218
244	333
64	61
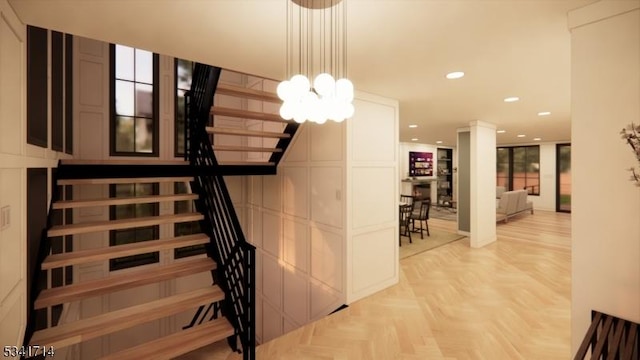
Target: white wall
296	221
372	196
15	157
320	241
605	49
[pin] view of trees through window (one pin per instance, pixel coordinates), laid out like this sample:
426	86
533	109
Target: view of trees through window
134	122
518	167
183	75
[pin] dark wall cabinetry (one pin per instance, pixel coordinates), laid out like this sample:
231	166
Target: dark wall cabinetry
445	176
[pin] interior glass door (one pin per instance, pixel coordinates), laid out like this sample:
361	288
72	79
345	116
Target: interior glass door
563	177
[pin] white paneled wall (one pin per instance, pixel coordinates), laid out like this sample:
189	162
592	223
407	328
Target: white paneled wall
15	157
372	197
304	219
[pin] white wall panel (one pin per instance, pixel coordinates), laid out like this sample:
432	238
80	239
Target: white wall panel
272	281
91	83
255	190
11	259
375	259
295	296
91	142
372	202
272	234
372	132
11	317
11	95
90	47
298	150
288	326
272	192
296	191
327	258
323	299
271	322
255	233
296	244
605	96
327	141
234	185
13	193
326	195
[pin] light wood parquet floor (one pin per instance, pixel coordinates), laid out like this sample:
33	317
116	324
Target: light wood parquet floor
507	300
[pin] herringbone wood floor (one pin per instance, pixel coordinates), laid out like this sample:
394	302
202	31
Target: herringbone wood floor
508	300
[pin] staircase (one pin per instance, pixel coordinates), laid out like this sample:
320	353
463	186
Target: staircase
230	260
72	333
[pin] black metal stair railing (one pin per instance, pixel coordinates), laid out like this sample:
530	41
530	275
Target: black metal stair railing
609	338
235	257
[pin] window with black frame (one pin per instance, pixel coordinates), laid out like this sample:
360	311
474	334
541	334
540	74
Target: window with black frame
186	228
134	235
134	102
518	167
183	75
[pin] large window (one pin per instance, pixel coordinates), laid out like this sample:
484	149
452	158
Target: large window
183	75
134	104
518	167
129	236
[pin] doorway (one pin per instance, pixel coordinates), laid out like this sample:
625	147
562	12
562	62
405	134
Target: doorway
563	178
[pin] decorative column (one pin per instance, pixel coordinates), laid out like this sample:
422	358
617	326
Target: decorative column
477	182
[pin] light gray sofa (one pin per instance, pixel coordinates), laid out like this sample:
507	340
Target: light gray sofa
512	203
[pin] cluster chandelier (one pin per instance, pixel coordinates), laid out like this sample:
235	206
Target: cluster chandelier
325	98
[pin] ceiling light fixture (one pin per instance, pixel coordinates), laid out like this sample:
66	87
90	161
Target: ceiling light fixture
544	113
455	75
537	139
521	135
413	126
439	142
501	131
321	39
511	99
414	139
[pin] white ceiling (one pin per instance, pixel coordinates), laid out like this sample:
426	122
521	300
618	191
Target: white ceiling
399	49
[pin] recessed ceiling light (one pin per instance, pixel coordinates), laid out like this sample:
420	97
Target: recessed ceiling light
521	135
414	139
413	126
501	131
511	99
537	139
455	75
439	142
544	113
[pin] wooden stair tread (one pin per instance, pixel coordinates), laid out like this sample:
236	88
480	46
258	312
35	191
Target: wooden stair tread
241	132
122	162
94	226
123	180
245	148
107	323
100	254
238	91
68	204
122	281
179	343
241	163
246	114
